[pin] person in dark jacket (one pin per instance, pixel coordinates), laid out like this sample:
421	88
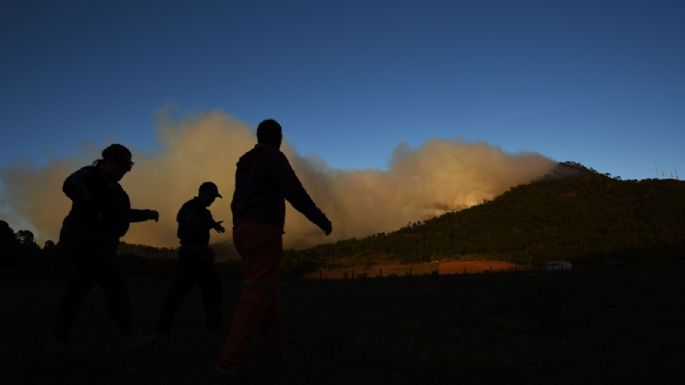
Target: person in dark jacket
264	179
195	260
100	214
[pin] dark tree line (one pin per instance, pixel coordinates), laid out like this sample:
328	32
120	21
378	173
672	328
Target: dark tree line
19	249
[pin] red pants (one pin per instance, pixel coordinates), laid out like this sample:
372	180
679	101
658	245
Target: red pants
259	313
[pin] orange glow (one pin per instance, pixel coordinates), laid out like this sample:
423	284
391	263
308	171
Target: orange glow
428	268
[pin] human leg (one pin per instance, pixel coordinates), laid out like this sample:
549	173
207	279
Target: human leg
270	331
212	295
179	290
113	281
260	247
78	288
72	247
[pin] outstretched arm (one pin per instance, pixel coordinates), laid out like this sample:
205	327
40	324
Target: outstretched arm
135	215
296	194
200	219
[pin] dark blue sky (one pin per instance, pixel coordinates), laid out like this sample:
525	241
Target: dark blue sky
599	82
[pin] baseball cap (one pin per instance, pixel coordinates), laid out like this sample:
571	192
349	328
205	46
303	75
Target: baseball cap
210	188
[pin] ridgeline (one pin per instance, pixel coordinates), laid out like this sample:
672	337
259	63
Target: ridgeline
573	213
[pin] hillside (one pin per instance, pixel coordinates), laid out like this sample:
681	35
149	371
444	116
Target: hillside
572	213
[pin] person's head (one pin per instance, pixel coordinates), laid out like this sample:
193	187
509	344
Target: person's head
116	161
269	132
208	193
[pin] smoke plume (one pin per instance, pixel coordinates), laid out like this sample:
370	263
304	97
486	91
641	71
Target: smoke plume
440	176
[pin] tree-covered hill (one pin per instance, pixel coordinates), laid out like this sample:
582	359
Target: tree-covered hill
574	212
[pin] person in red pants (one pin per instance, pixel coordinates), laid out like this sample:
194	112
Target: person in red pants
264	179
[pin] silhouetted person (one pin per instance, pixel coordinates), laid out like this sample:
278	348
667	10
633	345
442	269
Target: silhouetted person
263	181
100	214
195	260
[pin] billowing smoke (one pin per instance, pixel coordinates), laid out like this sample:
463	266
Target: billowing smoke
440	176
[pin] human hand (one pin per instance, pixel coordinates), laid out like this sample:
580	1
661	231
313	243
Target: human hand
218	227
154	215
327	227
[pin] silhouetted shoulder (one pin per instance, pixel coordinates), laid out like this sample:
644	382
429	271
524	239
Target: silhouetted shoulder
247	158
79	185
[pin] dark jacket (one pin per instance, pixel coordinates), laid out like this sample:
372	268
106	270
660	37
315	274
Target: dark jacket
263	180
194	222
99	205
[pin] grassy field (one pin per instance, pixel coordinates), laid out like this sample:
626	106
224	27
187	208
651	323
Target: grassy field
594	326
